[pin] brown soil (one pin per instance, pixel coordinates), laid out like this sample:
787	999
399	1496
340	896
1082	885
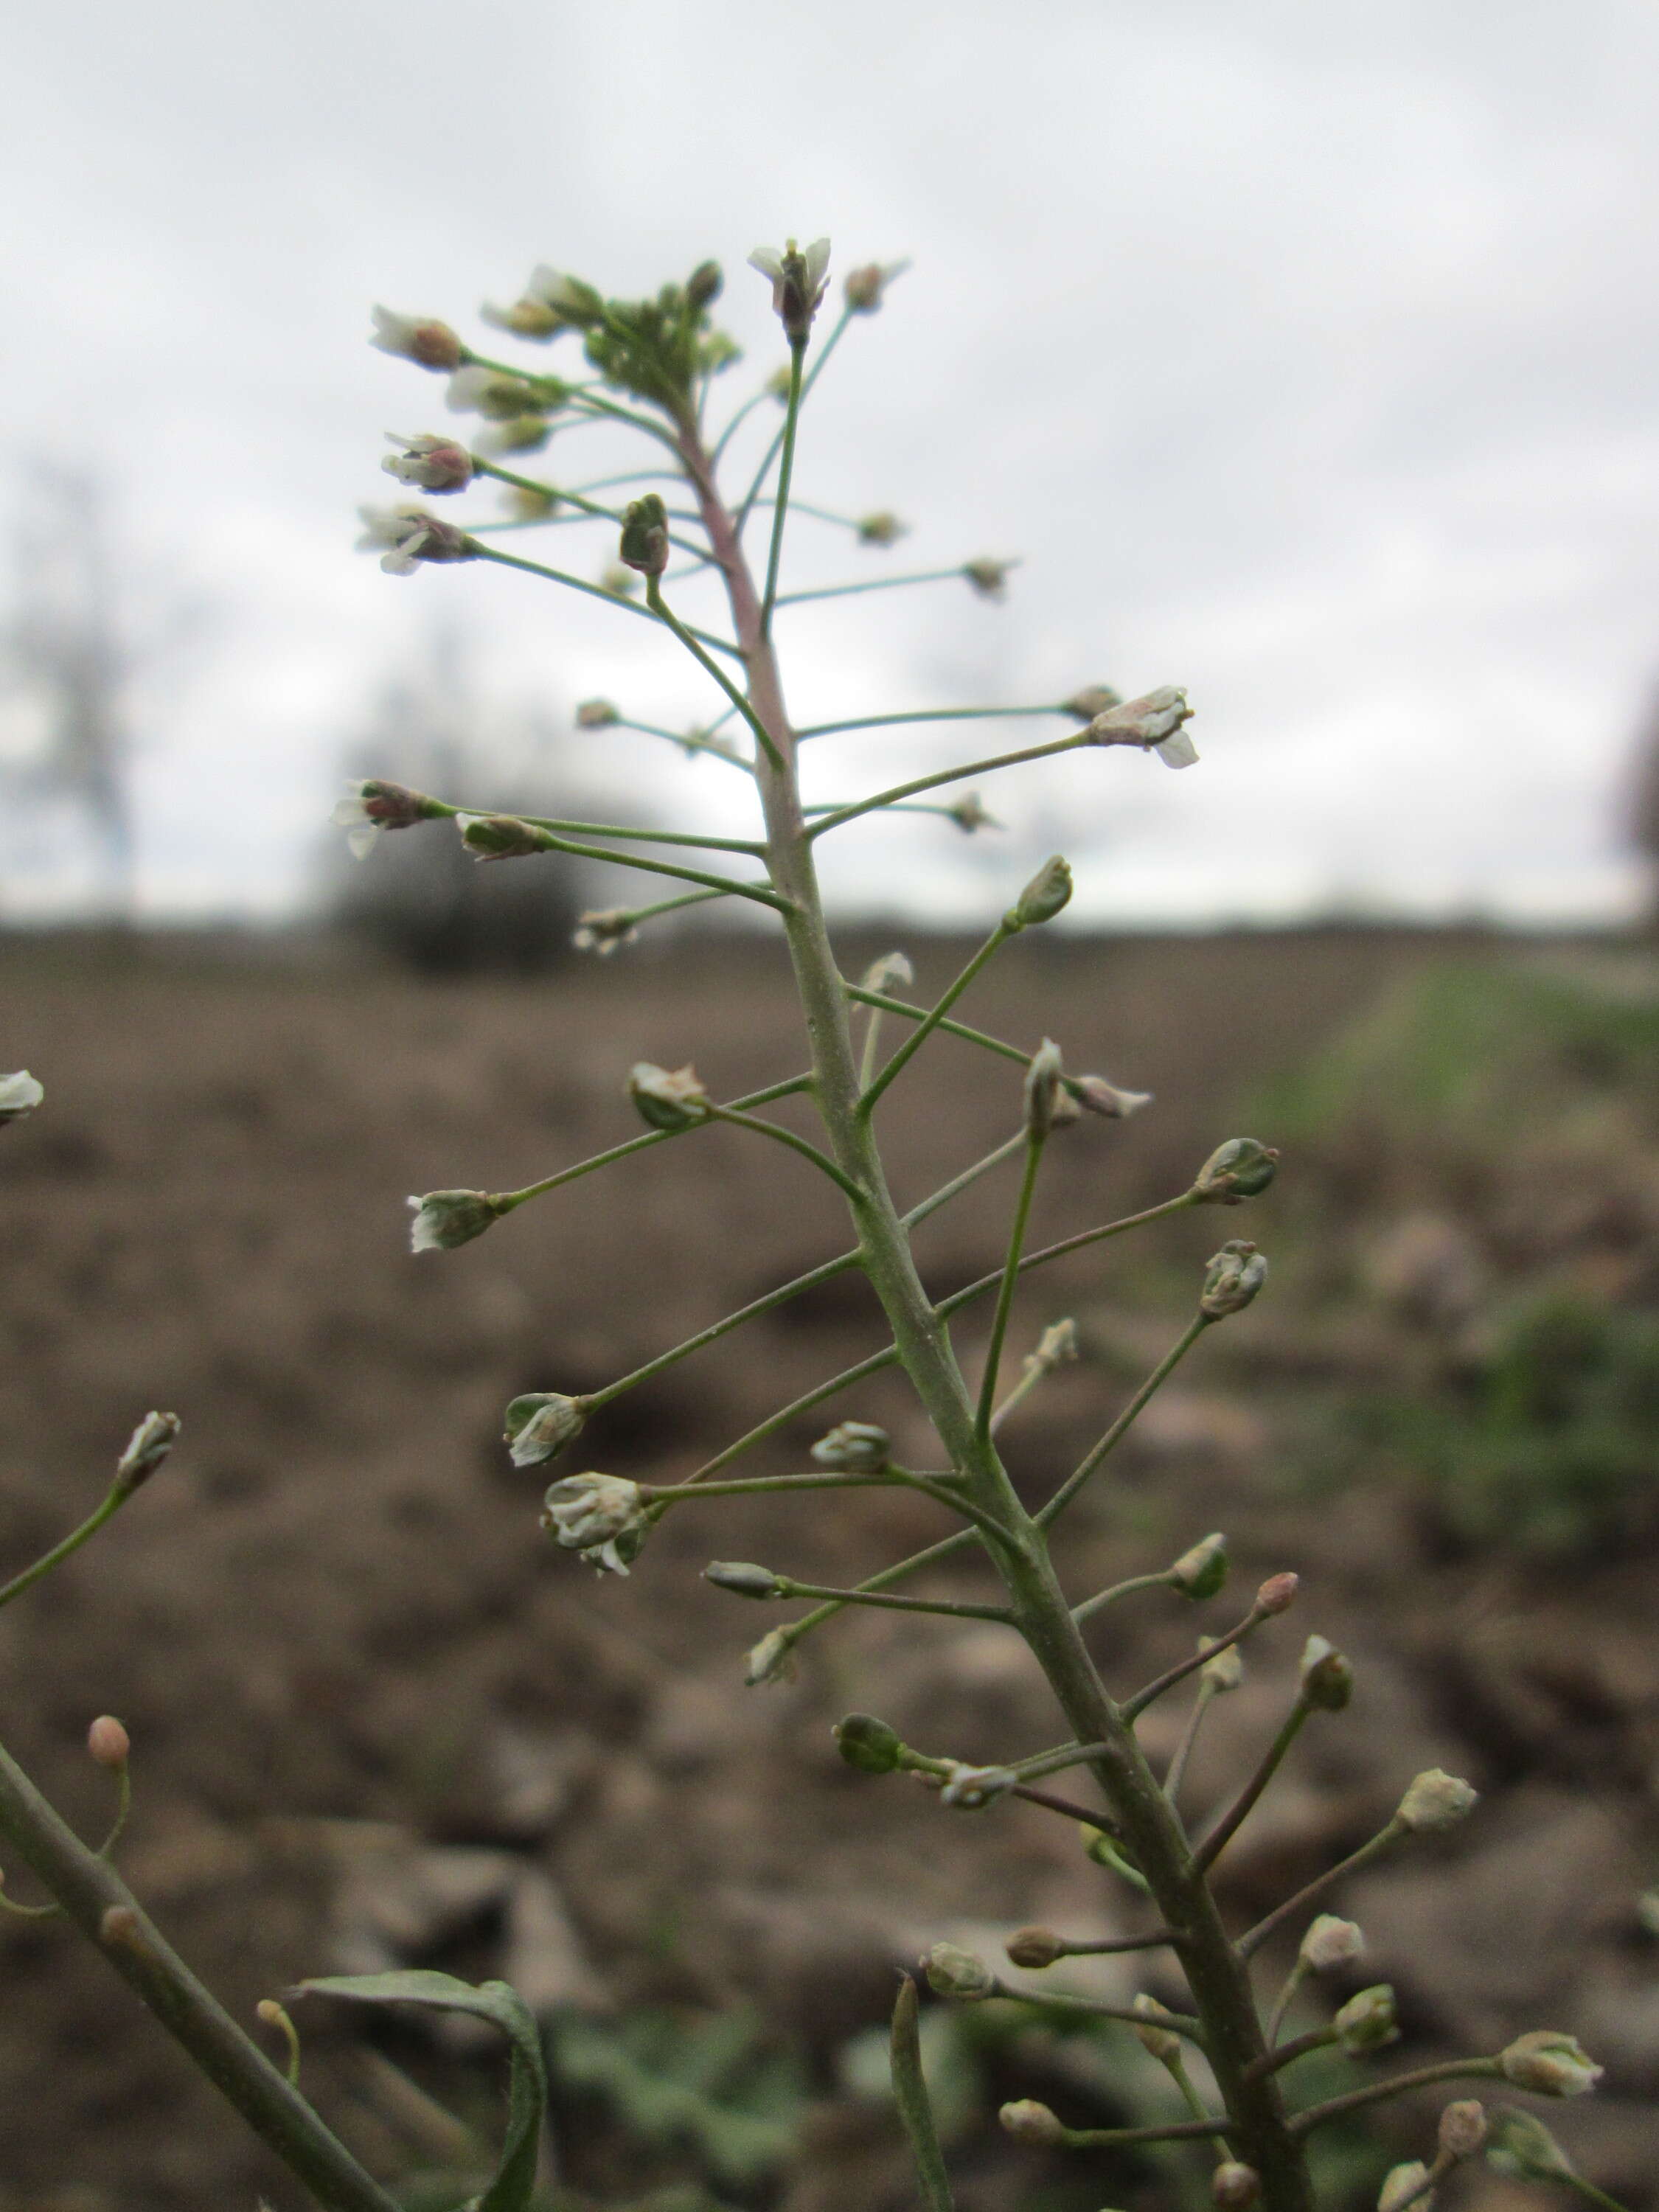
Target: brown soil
377	1718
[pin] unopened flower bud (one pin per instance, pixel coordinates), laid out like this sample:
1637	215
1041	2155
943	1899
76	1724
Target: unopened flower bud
1233	2187
572	304
445	1218
20	1095
882	528
644	542
953	1973
797	283
1242	1168
600	1516
525	318
988	578
1331	1942
418	338
1234	1276
1032	2123
868	1743
1550	2064
970	1789
602	929
1522	2146
147	1447
969	815
1327	1677
1056	1345
1200	1573
668	1098
1106	1098
865	286
744	1579
1093	699
1225	1671
597	714
436	464
620	582
519	434
854	1447
771	1661
1034	1949
496	395
1367	2020
1407	2185
1435	1802
537	1426
108	1742
703	286
1462	2128
370	807
1278	1593
1042	898
1042	1088
1162	2042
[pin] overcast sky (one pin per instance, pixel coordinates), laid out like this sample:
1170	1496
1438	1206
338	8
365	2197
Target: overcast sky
1307	352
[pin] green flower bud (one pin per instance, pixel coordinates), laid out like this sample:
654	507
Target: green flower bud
1550	2064
1028	2122
645	535
743	1579
668	1099
445	1218
853	1446
1405	2185
1232	1279
953	1973
868	1744
1042	898
1163	2044
1435	1802
147	1447
1042	1088
1233	2187
1331	1942
1521	2145
502	836
1093	699
703	285
988	578
538	1425
1034	1949
597	714
1202	1571
771	1661
1367	2021
1327	1677
882	528
1462	2128
1225	1671
1242	1168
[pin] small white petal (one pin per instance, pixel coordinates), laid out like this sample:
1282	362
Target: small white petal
768	260
817	261
1177	750
362	841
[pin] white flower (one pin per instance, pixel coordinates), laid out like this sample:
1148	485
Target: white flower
604	930
434	464
410	536
370	807
1331	1942
667	1098
600	1516
539	1425
419	338
20	1095
445	1218
1153	722
857	1447
798	282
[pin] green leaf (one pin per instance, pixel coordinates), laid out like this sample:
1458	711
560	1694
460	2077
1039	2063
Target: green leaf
516	2178
910	2094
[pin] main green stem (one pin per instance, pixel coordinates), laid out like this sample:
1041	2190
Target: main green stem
1216	1976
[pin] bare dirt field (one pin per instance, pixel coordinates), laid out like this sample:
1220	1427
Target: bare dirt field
378	1719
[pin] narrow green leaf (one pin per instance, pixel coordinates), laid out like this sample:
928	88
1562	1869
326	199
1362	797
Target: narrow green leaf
910	2094
515	2177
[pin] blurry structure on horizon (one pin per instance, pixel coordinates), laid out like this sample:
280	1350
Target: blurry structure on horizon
1644	823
